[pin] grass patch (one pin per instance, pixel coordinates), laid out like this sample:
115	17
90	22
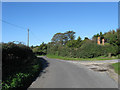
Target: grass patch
82	59
116	67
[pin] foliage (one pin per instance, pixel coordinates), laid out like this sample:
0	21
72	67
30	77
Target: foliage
90	50
74	43
40	50
94	38
111	37
14	81
86	38
19	65
71	43
118	56
118	41
15	56
81	59
63	38
85	48
21	79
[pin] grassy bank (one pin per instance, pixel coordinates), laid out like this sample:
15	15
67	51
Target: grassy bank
116	67
82	59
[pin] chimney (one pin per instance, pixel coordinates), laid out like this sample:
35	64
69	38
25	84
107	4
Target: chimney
103	41
98	41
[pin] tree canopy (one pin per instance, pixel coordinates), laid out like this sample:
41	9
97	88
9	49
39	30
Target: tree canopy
63	38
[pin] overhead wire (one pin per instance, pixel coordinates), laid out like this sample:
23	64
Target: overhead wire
35	36
12	24
19	27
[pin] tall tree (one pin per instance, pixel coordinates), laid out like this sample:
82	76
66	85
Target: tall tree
70	35
79	39
78	42
63	38
58	38
111	37
86	38
118	42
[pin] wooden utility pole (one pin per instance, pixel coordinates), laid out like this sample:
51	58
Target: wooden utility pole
28	39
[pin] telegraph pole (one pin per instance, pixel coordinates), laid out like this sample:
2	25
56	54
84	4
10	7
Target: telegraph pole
28	39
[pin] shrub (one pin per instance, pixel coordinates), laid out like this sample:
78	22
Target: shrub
118	56
40	50
87	50
14	57
19	65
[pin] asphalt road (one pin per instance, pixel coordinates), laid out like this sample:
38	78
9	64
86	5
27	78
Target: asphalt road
62	74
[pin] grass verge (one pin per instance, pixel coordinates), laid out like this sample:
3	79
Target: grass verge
116	67
81	59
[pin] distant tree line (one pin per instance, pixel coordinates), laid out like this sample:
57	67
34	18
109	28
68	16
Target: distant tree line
64	44
40	50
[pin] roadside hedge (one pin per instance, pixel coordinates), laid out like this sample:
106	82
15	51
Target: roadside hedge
19	66
87	50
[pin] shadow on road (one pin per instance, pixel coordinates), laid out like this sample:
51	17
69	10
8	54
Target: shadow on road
44	64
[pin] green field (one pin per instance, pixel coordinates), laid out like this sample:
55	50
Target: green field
82	59
116	67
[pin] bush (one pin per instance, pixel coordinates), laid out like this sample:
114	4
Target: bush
118	56
87	50
40	50
14	57
19	65
90	50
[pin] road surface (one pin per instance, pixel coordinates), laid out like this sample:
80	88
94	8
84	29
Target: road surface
62	74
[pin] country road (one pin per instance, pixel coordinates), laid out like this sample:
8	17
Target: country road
62	74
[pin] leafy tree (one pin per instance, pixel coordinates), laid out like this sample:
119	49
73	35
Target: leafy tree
111	37
70	35
41	50
79	39
32	47
71	43
118	40
95	37
58	38
85	48
101	36
63	38
78	42
86	38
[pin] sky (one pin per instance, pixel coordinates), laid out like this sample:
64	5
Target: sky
44	19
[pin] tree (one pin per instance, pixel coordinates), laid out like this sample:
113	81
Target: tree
79	39
70	35
78	42
41	50
101	36
111	37
86	38
71	43
63	38
58	38
118	42
32	47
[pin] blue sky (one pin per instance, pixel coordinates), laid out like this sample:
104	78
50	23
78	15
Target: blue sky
44	19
